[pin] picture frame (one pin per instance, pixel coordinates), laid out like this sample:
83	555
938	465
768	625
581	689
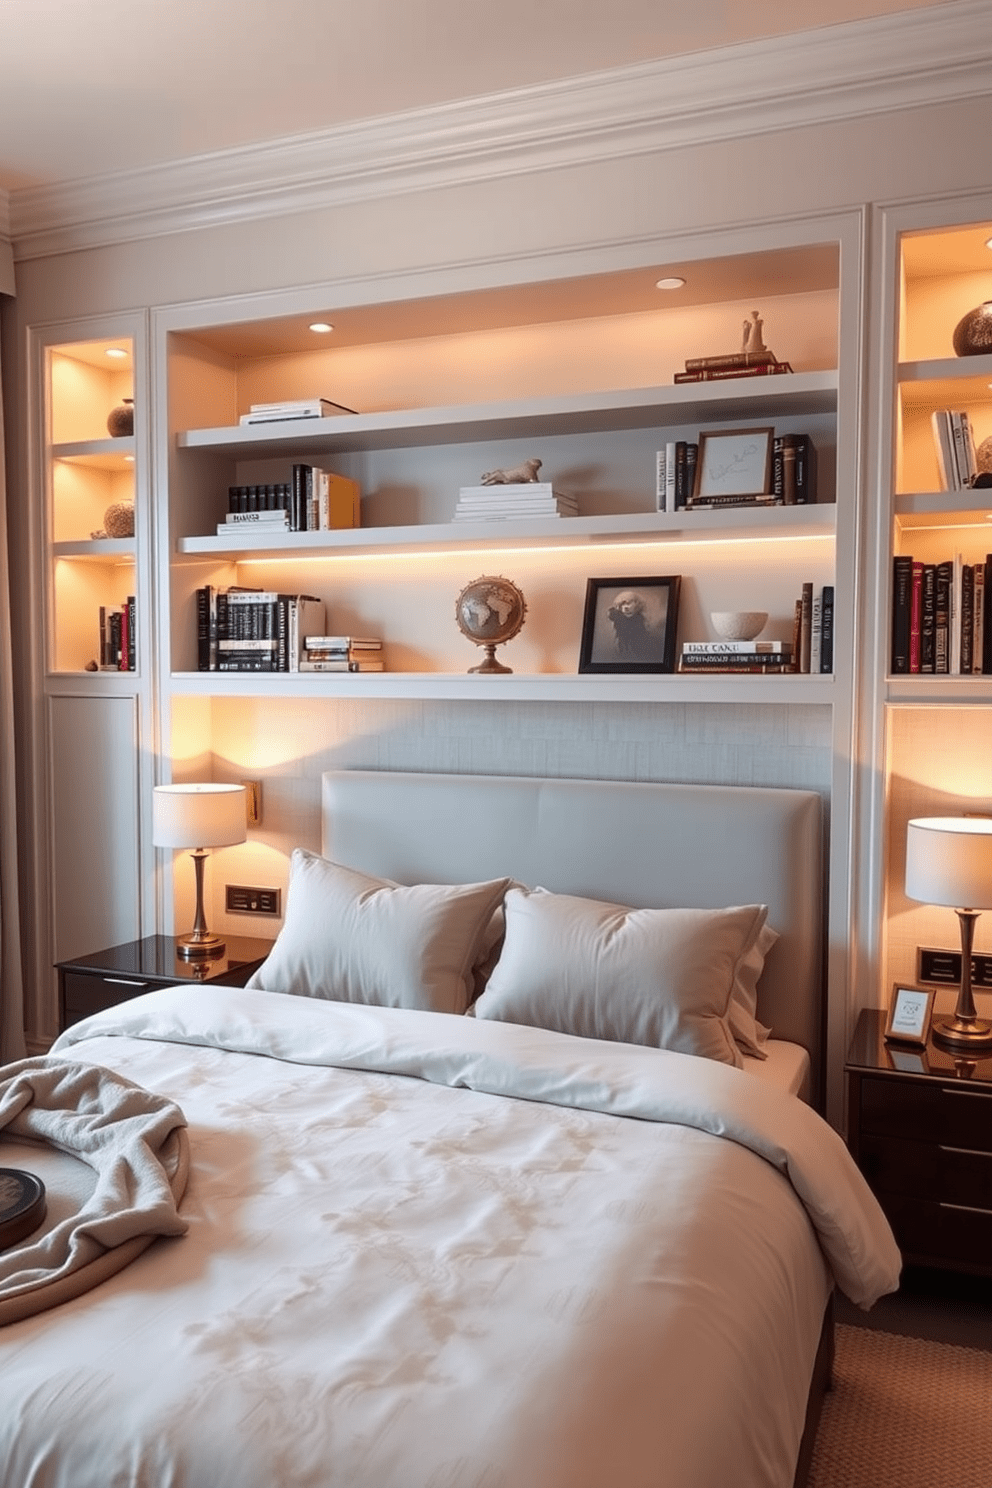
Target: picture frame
630	624
734	462
909	1015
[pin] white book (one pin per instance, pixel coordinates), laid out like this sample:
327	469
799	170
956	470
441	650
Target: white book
515	488
249	643
278	517
944	444
816	632
670	476
740	648
659	480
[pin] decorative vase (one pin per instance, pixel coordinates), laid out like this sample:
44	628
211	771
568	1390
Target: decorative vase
973	332
120	420
118	519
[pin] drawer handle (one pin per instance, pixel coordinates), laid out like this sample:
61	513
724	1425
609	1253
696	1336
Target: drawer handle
965	1151
123	982
975	1095
966	1209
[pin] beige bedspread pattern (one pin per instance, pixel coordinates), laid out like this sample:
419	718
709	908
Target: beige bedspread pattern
136	1144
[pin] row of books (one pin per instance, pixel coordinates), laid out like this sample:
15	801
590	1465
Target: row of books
810	651
792	480
118	651
313	500
732	364
342	653
941	616
254	630
955	444
514	500
292	408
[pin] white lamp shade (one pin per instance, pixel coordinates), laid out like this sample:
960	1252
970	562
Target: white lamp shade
198	815
949	861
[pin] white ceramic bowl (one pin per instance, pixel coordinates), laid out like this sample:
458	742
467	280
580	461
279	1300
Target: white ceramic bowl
738	625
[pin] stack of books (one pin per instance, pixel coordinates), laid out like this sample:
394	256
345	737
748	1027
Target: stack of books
941	616
253	630
732	364
293	408
526	499
341	653
737	656
813	630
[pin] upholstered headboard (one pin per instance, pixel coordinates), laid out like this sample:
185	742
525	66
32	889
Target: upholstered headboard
698	846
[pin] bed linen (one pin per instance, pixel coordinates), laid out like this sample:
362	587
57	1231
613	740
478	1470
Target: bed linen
430	1252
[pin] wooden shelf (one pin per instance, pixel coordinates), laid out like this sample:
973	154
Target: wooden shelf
518	687
793	394
944	508
100	549
818	520
102	454
945	381
943	691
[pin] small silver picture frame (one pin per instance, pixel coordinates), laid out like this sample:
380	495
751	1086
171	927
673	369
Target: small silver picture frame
909	1015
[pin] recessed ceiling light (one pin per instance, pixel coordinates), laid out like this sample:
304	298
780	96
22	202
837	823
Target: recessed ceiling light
321	327
670	283
116	351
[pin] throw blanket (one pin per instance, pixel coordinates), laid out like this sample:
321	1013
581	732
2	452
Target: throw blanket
136	1144
537	1065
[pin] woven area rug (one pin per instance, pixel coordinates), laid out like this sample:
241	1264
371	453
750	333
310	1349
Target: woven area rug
905	1413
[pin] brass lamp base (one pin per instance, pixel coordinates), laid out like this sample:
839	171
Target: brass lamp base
954	1032
190	947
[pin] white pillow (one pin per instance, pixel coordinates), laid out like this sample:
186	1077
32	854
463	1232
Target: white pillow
751	1035
352	938
662	977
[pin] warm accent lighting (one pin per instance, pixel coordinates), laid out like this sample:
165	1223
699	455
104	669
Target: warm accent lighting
673	282
321	327
949	861
198	817
116	351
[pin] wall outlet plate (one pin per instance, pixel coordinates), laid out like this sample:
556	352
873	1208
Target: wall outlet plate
943	968
239	899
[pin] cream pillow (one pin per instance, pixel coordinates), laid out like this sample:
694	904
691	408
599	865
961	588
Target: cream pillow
663	977
352	938
751	1035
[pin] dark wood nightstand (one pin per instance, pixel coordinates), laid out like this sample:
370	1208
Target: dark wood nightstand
920	1129
88	984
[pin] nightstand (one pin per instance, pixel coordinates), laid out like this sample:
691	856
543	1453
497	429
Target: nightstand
920	1130
88	984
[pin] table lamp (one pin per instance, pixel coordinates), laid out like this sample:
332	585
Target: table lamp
198	817
949	861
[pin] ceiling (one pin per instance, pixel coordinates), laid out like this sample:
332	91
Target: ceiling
89	87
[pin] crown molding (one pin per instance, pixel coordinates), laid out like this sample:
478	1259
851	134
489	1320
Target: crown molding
909	59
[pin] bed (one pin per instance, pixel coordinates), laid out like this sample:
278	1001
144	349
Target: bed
429	1239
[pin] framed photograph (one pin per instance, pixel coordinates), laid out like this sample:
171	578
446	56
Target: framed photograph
909	1015
734	462
630	624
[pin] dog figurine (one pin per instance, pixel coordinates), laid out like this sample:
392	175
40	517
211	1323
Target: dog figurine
519	475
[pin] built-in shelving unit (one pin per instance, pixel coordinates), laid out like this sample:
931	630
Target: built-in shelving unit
932	734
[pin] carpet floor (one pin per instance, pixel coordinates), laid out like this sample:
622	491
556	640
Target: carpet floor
905	1413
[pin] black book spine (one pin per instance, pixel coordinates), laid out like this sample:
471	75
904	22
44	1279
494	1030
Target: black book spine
681	493
928	618
987	617
902	598
827	630
297	500
967	617
942	618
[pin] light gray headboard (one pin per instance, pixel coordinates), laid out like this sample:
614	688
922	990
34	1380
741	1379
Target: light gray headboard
701	846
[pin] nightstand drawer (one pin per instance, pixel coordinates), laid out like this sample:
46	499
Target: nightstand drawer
91	994
951	1116
950	1175
940	1233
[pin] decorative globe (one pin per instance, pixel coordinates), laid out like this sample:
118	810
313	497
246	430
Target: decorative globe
490	612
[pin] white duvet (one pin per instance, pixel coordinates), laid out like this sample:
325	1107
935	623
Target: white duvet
426	1251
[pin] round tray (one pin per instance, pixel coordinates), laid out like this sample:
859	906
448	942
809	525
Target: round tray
22	1205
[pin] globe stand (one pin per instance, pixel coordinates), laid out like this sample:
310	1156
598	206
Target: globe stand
490	665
